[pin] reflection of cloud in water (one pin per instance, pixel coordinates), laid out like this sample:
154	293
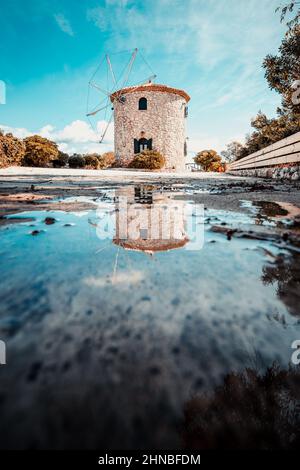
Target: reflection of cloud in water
80	214
127	278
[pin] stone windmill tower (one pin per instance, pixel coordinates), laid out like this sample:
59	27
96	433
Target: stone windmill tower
150	116
146	116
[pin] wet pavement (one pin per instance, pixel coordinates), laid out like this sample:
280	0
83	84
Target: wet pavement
116	316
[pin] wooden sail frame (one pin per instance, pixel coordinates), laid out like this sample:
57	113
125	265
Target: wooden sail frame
118	85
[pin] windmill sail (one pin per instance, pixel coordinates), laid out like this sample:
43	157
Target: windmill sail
114	84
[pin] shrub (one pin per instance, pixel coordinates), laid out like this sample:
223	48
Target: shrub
39	151
12	150
76	161
61	161
107	160
207	159
92	161
216	166
149	160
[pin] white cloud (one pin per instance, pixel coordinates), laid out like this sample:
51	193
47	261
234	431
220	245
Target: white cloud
19	132
201	142
79	132
218	142
223	42
206	33
76	137
64	24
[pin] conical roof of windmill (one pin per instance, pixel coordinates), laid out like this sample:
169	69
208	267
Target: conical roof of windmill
149	87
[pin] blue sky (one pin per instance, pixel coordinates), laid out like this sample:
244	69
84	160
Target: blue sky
211	48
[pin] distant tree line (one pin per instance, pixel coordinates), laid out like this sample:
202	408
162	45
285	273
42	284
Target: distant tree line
41	152
38	151
281	71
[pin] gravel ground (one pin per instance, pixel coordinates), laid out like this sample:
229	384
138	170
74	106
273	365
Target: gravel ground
23	188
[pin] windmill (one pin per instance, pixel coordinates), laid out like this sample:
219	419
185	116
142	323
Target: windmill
105	81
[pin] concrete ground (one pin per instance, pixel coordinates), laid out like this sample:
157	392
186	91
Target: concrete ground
111	173
25	188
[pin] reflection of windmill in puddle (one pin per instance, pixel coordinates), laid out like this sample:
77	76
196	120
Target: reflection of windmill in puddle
148	220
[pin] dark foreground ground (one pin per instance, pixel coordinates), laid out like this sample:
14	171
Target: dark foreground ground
108	347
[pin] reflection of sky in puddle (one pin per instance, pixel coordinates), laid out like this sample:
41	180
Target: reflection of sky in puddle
217	216
160	325
270	213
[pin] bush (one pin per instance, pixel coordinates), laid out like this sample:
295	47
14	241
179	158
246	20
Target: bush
12	150
107	160
39	151
149	160
76	161
61	161
208	159
92	161
216	166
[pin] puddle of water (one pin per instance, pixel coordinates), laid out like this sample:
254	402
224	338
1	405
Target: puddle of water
126	329
271	213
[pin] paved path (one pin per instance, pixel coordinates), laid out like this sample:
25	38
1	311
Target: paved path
114	174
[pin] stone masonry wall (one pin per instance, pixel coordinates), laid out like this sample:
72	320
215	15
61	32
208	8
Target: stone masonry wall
287	172
163	122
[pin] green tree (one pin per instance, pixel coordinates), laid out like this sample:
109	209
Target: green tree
286	10
12	150
283	69
76	161
234	151
107	159
39	151
207	159
61	160
92	161
268	131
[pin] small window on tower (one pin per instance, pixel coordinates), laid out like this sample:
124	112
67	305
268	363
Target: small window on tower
142	103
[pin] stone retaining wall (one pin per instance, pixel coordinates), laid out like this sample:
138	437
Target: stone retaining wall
291	173
280	160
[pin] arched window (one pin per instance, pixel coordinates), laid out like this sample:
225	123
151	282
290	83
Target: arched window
142	144
142	103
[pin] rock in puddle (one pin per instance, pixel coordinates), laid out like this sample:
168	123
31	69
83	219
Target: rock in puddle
49	220
287	240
